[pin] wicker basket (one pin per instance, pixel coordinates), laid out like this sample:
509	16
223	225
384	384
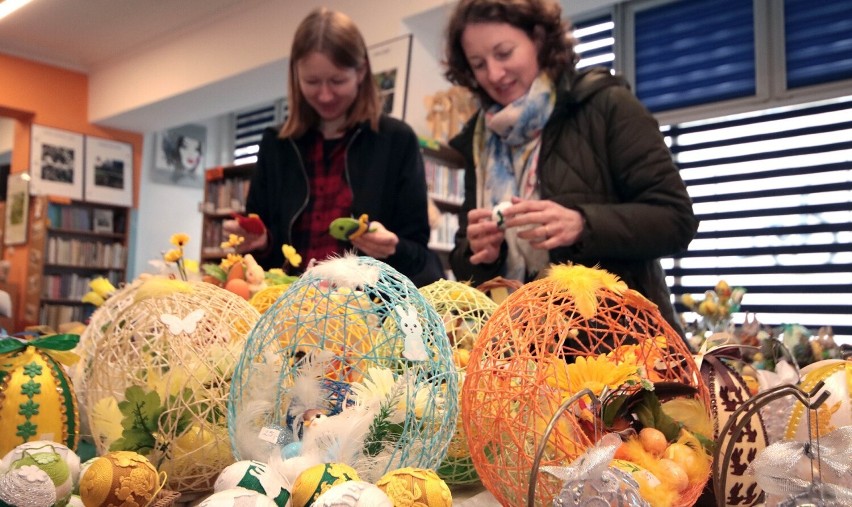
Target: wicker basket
165	498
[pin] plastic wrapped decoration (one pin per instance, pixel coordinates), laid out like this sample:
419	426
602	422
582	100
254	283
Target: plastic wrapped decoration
572	316
89	338
464	310
354	343
161	381
814	470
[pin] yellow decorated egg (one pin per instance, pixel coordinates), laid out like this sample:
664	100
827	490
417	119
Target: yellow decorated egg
836	412
419	485
37	401
119	478
315	480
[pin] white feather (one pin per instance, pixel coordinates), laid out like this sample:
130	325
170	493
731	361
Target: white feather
346	271
251	418
307	391
340	438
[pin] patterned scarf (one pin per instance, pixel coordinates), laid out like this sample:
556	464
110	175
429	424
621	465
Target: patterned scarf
508	140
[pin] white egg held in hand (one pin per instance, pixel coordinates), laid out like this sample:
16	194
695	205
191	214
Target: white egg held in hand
497	213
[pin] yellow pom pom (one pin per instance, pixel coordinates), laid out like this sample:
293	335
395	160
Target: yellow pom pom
415	486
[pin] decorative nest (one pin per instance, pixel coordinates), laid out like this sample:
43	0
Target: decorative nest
511	389
161	381
464	310
499	288
353	333
264	298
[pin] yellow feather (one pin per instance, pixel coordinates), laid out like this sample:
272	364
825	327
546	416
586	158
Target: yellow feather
105	420
691	413
585	284
159	286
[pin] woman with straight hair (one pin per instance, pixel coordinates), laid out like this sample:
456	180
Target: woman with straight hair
337	156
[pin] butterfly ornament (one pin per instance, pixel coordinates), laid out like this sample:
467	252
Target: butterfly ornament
179	325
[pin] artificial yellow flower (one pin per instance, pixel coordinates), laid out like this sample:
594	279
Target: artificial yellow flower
93	298
172	255
291	255
102	287
594	373
230	260
180	239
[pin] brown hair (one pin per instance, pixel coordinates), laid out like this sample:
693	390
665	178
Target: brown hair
541	20
335	35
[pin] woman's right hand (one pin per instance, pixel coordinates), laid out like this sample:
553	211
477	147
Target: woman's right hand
251	242
483	236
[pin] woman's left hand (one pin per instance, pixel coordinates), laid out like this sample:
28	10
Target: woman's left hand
380	243
546	224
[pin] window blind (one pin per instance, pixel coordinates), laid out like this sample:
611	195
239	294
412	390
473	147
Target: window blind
248	130
695	52
773	191
818	41
595	42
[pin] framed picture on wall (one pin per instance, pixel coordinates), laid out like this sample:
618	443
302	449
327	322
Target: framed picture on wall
56	162
109	172
179	156
389	61
17	209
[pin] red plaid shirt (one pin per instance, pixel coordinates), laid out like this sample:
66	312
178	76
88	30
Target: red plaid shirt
329	197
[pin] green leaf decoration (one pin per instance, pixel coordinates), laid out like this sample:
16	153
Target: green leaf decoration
612	409
215	271
650	414
140	409
134	439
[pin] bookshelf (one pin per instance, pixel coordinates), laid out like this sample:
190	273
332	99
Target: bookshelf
80	242
445	183
225	191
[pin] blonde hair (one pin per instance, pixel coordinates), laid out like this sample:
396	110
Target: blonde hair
335	35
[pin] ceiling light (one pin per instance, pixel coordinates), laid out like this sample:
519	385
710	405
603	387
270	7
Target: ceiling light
9	6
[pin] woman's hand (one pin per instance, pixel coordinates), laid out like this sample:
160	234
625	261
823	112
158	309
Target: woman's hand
483	236
379	244
251	242
546	224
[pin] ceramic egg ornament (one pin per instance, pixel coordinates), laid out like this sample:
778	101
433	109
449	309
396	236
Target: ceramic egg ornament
255	476
37	400
354	494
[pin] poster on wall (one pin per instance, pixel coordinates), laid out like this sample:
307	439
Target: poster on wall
17	209
179	156
389	61
109	172
56	162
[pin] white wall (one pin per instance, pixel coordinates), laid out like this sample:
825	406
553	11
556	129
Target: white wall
168	209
